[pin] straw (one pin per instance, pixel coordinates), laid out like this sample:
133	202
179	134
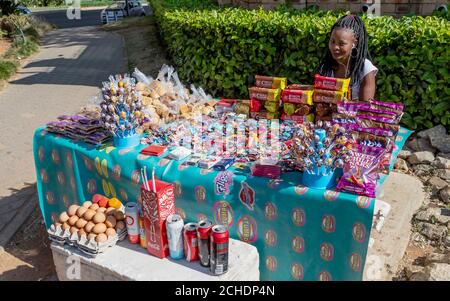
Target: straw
153	179
146	179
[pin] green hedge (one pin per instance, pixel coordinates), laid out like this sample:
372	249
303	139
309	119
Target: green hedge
222	48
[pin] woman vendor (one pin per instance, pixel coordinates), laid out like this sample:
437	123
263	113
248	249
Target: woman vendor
347	56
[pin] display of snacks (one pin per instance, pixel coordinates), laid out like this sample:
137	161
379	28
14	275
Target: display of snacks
331	83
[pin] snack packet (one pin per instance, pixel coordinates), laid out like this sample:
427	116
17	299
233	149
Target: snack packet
331	83
297	109
360	172
351	108
327	96
264	94
270	82
272	106
297	96
369	139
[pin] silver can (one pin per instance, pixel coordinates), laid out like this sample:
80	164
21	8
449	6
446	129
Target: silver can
132	219
174	226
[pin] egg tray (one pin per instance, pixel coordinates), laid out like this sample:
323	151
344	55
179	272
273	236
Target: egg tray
87	246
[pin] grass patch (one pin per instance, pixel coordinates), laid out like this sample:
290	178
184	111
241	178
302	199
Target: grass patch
143	47
7	69
19	49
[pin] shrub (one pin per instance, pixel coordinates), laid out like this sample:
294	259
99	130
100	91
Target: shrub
222	48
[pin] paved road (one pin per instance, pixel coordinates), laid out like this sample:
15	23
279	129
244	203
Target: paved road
59	18
60	79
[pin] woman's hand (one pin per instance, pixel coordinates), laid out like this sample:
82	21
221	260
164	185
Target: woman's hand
367	87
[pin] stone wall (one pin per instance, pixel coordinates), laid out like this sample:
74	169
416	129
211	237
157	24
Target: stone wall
386	7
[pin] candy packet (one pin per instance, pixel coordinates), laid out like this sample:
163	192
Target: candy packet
361	171
372	140
272	106
351	108
324	109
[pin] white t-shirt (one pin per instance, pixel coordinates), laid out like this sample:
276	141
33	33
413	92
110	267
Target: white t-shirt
368	67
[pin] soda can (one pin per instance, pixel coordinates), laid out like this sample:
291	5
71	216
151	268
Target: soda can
142	240
191	242
174	226
219	250
132	219
204	233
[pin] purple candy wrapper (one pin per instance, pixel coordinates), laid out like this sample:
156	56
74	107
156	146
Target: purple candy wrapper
351	108
361	171
391	105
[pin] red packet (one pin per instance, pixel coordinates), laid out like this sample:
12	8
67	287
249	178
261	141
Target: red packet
156	208
154	150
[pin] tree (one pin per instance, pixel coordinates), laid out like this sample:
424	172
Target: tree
8	7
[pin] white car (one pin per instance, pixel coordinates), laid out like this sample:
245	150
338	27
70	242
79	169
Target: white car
118	10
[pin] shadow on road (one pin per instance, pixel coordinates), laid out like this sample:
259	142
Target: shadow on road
81	58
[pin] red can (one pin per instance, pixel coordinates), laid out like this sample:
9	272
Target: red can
204	233
191	242
219	249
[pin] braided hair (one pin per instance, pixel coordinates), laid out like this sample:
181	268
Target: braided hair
359	53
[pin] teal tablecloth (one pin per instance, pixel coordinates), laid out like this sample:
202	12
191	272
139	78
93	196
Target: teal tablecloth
300	233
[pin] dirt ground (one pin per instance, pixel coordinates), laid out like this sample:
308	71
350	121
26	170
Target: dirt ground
28	255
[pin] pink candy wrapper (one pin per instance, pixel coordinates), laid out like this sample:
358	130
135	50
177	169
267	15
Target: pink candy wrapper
390	105
360	172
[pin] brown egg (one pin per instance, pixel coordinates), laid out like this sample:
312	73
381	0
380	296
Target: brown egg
110	211
99	228
81	210
92	236
99	217
81	232
101	209
94	206
73	230
119	215
101	238
65	226
110	232
89	214
110	222
73	219
72	210
120	225
87	204
89	226
81	223
63	217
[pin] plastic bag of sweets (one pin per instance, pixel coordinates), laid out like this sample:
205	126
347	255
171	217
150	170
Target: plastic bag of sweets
264	94
331	83
372	140
351	108
328	96
379	115
270	82
297	96
366	123
361	170
392	106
